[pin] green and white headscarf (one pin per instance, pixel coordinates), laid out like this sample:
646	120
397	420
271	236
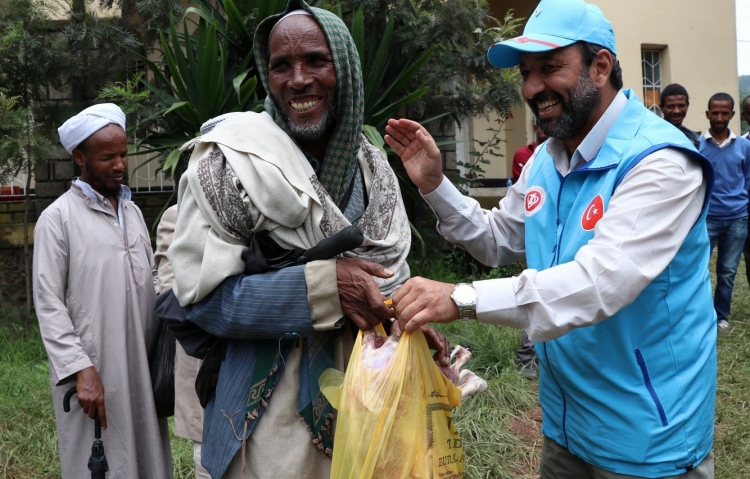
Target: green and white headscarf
340	162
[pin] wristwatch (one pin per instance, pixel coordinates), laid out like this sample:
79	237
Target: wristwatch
465	297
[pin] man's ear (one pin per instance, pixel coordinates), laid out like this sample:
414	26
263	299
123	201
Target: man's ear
601	67
79	157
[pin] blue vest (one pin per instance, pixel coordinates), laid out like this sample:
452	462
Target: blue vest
633	394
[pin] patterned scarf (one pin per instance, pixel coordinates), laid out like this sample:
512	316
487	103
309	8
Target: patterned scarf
340	162
312	406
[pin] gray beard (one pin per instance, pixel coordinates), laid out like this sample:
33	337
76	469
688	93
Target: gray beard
584	99
311	132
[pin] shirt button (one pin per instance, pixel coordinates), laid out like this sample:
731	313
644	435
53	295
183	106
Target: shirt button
116	223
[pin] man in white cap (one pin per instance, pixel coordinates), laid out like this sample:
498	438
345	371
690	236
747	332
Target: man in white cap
94	297
610	216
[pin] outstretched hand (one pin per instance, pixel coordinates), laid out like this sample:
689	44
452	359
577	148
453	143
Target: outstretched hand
418	152
420	301
360	296
90	392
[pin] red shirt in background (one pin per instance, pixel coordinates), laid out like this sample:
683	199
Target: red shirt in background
520	158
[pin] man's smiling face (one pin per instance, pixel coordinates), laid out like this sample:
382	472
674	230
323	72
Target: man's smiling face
302	77
719	114
675	109
558	88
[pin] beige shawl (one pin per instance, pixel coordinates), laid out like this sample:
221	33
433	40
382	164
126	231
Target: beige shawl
248	166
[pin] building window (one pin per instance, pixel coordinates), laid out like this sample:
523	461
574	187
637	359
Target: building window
652	78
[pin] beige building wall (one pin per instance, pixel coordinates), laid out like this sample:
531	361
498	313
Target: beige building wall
700	43
699	50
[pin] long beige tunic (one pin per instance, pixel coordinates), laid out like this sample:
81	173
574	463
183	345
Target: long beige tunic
94	297
188	413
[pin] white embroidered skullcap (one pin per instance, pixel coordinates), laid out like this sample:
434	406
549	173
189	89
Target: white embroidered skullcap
293	12
74	131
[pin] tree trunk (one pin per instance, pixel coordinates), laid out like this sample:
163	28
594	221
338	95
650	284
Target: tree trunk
78	79
2	282
26	253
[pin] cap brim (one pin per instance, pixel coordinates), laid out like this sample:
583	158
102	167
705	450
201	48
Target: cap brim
508	53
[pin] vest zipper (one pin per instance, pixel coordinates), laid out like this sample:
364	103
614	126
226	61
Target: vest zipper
558	243
650	387
562	393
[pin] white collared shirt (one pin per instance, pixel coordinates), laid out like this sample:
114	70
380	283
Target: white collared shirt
124	193
647	220
727	141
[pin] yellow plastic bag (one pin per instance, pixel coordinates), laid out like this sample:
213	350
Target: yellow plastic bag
394	413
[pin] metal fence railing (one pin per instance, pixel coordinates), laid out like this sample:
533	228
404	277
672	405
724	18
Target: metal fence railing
15	190
146	176
143	179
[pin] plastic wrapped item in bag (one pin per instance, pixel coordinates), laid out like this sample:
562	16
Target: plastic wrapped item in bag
394	412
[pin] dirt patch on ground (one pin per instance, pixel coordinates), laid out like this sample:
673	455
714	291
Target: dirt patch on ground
528	428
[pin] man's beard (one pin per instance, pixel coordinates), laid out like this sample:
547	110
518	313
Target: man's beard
311	132
577	110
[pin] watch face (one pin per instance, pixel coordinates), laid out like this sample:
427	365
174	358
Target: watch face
464	295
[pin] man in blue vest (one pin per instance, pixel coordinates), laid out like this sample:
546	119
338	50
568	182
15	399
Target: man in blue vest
610	215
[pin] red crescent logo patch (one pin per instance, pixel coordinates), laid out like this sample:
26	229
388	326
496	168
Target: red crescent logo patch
593	213
535	197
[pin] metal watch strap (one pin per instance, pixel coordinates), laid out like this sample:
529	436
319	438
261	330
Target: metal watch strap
466	312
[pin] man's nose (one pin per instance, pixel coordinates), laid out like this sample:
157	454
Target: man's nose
120	164
532	85
300	78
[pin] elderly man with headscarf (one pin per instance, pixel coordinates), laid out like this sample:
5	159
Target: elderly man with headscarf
94	297
257	187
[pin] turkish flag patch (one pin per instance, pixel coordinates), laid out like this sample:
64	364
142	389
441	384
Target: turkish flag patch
593	213
535	197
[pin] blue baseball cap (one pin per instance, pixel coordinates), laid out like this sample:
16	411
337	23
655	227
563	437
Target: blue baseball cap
555	24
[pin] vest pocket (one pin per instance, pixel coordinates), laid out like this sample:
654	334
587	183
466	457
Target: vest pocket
650	387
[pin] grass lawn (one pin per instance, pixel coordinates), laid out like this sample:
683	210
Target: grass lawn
499	428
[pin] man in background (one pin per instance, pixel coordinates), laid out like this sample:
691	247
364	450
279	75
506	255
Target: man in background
727	210
94	294
746	250
522	155
188	413
674	104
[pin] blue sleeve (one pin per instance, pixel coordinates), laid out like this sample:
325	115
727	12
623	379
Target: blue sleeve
259	306
746	145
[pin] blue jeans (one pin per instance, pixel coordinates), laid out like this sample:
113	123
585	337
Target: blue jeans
730	236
